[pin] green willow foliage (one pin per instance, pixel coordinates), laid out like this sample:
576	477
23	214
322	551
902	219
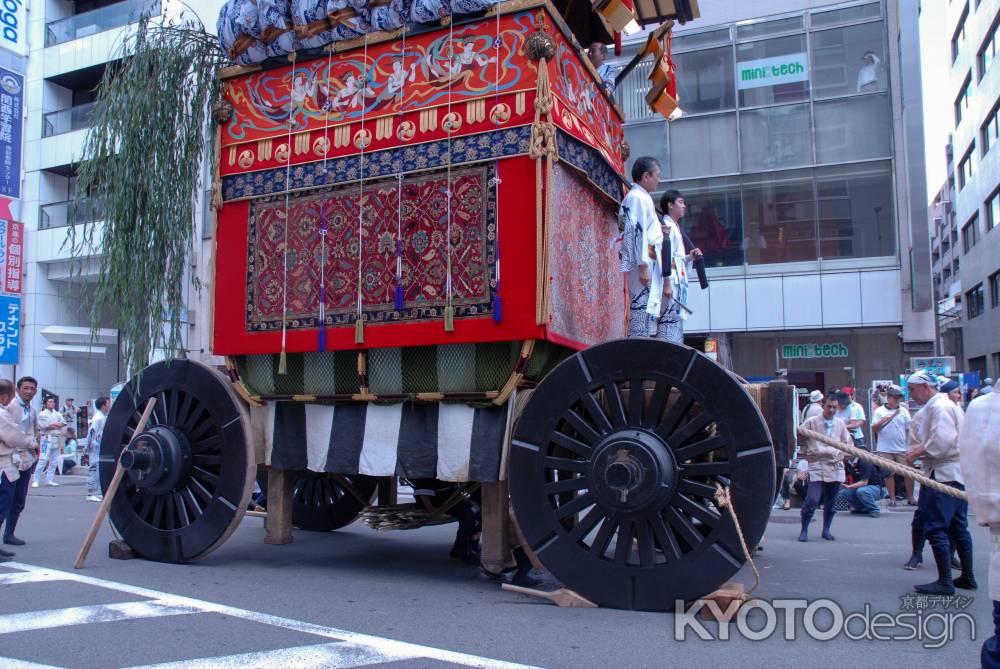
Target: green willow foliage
141	167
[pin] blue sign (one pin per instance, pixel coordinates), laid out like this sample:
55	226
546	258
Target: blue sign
11	118
10	330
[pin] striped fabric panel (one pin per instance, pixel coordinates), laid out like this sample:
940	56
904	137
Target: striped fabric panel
451	442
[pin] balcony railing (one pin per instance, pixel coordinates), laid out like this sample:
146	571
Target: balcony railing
631	93
62	214
98	20
67	120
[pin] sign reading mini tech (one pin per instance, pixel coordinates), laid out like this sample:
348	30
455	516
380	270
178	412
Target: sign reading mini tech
772	71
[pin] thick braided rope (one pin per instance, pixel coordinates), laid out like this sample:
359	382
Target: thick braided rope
723	499
884	463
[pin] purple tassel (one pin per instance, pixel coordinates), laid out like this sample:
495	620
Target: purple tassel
322	338
497	308
399	296
322	323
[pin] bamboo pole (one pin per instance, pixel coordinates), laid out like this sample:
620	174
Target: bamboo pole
109	495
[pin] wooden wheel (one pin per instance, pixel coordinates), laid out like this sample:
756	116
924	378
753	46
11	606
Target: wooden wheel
190	473
613	472
321	502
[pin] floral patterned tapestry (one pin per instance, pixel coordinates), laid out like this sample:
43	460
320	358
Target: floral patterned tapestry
586	300
357	251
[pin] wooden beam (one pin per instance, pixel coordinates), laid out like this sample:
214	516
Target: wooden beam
278	523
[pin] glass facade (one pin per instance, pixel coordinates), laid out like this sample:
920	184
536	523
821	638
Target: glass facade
784	152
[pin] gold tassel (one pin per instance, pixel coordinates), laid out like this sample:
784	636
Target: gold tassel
449	318
282	363
359	331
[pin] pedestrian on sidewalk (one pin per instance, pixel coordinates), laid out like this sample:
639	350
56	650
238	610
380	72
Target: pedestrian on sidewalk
94	449
853	415
891	425
52	427
826	468
945	518
13	443
979	448
27	386
815	406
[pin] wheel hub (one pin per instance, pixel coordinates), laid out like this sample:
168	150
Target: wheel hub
158	460
633	470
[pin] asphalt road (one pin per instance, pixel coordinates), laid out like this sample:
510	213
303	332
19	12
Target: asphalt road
357	598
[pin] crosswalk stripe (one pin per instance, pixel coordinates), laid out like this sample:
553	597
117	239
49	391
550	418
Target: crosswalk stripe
341	655
29	577
12	663
171	604
82	615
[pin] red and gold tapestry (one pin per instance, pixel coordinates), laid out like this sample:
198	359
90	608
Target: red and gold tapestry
586	297
358	258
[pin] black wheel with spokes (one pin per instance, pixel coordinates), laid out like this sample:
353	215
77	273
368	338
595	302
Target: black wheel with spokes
190	473
323	502
614	468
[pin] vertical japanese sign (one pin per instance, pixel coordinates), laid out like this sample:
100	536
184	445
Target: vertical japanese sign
11	106
11	251
10	329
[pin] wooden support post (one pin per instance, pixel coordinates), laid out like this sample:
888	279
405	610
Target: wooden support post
387	491
496	555
278	523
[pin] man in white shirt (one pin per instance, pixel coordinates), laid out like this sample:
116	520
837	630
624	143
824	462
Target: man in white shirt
598	54
642	238
890	426
944	518
979	447
853	415
94	449
815	406
52	426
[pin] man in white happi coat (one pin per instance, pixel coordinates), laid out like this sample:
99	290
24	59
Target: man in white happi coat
52	426
944	518
979	449
642	238
675	290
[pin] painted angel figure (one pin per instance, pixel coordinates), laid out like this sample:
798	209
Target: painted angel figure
399	77
469	57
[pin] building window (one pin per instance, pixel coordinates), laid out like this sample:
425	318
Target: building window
993	211
974	302
772	71
855	211
779	217
958	37
702	146
995	290
775	137
652	137
714	220
988	51
990	129
840	125
970	234
706	82
848	60
965	167
962	101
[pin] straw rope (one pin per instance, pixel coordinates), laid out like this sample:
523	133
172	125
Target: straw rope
884	463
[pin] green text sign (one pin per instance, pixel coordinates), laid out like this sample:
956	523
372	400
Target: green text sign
800	351
772	71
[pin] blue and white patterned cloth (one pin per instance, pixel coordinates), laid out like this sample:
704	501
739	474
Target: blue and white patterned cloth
277	27
237	19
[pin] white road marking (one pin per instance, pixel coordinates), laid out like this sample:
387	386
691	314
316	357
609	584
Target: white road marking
164	603
27	577
81	615
11	663
341	655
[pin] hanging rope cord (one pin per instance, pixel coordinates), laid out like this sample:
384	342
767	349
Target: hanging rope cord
363	144
399	295
496	181
282	359
324	223
449	310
